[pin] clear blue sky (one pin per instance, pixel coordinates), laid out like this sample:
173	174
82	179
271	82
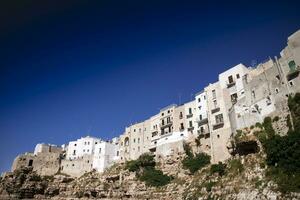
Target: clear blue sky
67	69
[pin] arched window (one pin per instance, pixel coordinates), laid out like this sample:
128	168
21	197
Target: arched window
126	141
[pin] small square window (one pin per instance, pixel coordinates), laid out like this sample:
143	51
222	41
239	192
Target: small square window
237	76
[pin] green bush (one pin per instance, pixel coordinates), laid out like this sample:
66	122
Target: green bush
132	165
294	106
194	163
267	124
258	125
218	168
187	150
235	166
145	160
209	185
145	170
154	177
276	119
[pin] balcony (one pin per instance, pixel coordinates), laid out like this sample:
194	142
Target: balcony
190	128
218	125
203	134
217	109
167	124
293	73
201	121
229	85
189	115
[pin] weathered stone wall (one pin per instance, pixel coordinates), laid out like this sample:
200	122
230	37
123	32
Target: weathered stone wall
47	163
77	167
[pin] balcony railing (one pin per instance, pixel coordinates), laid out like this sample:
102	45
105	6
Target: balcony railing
218	125
229	85
167	124
204	133
190	128
202	121
214	110
189	115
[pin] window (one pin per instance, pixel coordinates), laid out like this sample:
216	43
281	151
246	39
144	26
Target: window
230	79
88	150
237	76
162	122
133	130
88	143
75	145
162	114
138	140
181	126
168	111
30	163
200	117
276	90
138	148
190	110
278	77
117	153
199	99
214	94
219	118
253	93
215	104
202	129
168	120
134	140
140	130
291	83
191	123
83	150
96	142
99	150
218	136
204	97
180	115
74	152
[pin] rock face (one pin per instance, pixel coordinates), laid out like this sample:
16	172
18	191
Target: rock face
243	182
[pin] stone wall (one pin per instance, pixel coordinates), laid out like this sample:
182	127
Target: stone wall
47	163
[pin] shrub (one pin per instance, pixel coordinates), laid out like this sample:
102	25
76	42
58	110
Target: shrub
252	127
209	185
145	170
146	160
235	166
132	165
267	124
258	125
194	163
218	168
154	177
276	119
187	150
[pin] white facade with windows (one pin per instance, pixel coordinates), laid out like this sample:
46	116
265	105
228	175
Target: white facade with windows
89	153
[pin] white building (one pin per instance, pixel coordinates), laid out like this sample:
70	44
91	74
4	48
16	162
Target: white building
88	153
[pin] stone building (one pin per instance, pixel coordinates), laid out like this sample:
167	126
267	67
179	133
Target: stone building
45	160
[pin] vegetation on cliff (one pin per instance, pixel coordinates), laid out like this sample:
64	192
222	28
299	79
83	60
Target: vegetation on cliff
144	167
194	162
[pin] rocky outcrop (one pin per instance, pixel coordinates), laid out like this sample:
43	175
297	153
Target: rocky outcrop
244	180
